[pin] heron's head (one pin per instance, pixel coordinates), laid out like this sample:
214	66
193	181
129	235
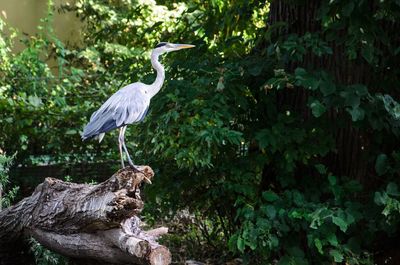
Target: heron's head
163	47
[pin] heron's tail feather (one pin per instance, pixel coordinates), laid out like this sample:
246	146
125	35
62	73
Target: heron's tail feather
100	137
98	126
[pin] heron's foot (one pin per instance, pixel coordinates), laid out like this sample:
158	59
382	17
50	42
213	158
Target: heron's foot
134	167
137	170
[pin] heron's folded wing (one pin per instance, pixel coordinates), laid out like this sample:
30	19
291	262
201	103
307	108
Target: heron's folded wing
131	108
126	106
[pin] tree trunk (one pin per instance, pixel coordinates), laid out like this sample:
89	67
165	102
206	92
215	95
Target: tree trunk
85	222
351	143
1	197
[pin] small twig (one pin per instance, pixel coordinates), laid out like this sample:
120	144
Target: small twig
157	232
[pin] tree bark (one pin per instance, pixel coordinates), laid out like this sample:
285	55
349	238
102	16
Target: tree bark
1	197
352	157
351	143
85	222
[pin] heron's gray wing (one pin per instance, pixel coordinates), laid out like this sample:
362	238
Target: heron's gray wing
126	106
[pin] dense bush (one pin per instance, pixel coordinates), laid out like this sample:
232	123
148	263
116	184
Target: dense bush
281	129
7	193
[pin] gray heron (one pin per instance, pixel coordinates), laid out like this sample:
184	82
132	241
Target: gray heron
129	104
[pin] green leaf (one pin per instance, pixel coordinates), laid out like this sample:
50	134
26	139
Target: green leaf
286	260
380	198
360	90
392	189
255	69
381	164
351	98
298	198
35	101
368	53
327	88
305	79
296	214
337	256
318	245
271	211
240	244
317	108
232	243
356	113
252	244
71	131
300	71
332	239
270	196
391	106
117	50
263	137
321	169
340	223
349	217
274	241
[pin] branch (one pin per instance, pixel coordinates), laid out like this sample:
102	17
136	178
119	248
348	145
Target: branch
82	221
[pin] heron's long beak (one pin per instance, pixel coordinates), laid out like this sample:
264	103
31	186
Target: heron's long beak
183	46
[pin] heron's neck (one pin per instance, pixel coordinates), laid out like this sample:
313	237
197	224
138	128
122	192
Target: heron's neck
157	84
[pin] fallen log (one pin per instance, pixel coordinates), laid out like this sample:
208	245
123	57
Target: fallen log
82	221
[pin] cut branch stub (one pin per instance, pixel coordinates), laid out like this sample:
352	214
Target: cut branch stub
85	221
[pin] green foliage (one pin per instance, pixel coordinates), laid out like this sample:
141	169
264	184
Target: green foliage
248	131
7	195
279	222
390	200
5	163
44	256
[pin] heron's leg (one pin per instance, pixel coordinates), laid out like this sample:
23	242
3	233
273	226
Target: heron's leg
122	132
120	140
126	149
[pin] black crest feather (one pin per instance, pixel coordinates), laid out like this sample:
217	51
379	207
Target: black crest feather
160	44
